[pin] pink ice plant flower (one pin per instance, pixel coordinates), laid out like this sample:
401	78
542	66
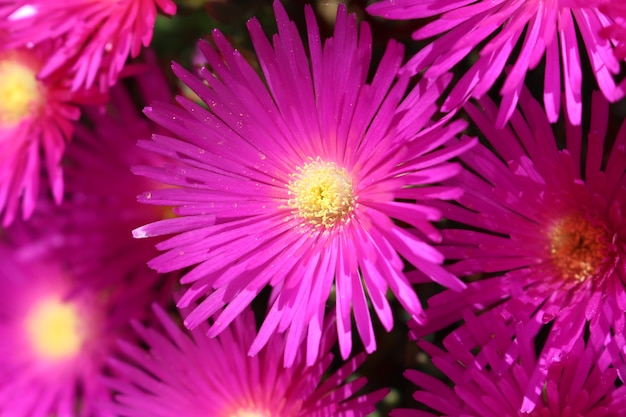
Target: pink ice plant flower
36	122
72	277
94	38
57	329
495	29
189	374
584	383
292	180
545	226
101	191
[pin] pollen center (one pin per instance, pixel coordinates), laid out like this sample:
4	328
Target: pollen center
321	193
19	92
53	329
577	247
248	413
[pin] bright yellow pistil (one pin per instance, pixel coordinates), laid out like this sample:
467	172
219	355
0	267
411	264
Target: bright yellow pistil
19	92
577	247
53	329
322	193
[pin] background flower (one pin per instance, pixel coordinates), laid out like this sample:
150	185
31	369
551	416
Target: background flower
582	383
548	29
193	375
293	181
545	228
71	278
58	329
36	122
93	38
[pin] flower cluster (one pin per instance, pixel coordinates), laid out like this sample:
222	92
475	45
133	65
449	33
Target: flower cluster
311	203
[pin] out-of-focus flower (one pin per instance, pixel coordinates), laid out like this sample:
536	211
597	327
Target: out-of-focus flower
546	226
36	122
197	376
100	208
72	277
293	181
583	382
93	38
538	28
57	330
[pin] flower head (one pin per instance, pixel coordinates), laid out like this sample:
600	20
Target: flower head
72	277
538	28
546	228
93	38
583	383
57	329
195	376
293	180
36	118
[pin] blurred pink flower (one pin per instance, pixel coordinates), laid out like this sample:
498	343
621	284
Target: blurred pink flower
57	329
72	276
196	376
36	122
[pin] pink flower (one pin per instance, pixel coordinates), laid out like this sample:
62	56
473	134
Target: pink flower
546	226
548	28
196	376
94	38
57	329
100	207
72	276
292	181
583	383
36	122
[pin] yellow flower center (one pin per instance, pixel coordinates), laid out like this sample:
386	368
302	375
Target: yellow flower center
577	247
19	92
53	329
322	193
249	413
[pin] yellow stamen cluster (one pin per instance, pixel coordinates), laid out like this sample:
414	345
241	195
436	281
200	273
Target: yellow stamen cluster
53	329
322	193
577	247
19	92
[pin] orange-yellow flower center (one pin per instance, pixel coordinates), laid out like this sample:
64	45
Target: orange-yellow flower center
53	329
577	247
19	92
322	193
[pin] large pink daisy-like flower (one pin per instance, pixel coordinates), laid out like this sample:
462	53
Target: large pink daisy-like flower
539	28
94	37
584	383
546	227
196	376
293	180
36	119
